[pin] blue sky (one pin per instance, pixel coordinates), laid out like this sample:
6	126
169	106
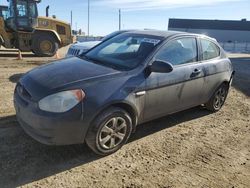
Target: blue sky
140	14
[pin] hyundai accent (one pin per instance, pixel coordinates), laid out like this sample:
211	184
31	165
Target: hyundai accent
100	97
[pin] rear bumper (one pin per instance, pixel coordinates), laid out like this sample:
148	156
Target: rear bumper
231	79
51	129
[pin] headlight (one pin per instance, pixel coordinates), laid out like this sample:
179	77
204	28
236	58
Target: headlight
61	102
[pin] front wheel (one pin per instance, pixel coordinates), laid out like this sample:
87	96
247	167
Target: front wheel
44	45
110	131
218	99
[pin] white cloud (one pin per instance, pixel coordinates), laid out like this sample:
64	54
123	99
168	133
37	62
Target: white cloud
130	5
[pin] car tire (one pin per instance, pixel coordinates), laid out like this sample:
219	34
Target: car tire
109	132
44	45
218	99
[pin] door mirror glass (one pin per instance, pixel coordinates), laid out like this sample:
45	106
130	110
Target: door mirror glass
161	67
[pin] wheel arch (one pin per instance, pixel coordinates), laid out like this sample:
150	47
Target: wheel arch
125	105
50	32
130	109
226	82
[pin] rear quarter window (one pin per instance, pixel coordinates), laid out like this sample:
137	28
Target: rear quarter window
209	50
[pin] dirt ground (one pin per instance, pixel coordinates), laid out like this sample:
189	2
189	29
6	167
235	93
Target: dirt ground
193	148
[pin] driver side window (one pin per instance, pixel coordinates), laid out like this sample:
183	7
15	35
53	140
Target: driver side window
179	51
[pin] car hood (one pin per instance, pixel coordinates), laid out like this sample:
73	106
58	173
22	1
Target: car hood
47	79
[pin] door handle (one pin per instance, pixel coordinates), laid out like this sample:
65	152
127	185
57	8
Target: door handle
195	73
140	93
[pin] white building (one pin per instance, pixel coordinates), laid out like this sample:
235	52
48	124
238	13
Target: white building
234	36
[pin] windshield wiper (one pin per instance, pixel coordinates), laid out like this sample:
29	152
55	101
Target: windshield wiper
89	59
93	60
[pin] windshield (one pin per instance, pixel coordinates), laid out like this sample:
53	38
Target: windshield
124	52
22	8
111	35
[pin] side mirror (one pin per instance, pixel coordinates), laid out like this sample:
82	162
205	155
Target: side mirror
161	67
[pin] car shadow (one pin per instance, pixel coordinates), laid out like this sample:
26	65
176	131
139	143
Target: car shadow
166	122
242	75
23	160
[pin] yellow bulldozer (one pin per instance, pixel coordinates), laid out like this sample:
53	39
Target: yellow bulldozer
23	29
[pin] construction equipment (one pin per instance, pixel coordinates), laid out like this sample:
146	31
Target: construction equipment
21	28
4	12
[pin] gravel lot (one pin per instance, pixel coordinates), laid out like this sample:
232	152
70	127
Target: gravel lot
193	148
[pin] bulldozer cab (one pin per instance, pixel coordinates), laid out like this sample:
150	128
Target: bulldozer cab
4	12
22	15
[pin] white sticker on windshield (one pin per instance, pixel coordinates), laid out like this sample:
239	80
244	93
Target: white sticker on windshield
153	41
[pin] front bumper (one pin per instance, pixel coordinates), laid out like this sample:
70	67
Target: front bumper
50	128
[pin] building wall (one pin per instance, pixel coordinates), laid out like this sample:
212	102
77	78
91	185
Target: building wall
221	35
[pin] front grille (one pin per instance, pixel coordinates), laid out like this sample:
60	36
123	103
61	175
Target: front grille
74	52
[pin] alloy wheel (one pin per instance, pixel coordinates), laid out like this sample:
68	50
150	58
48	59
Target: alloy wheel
112	133
220	98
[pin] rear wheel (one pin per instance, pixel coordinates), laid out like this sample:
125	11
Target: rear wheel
218	99
110	131
45	45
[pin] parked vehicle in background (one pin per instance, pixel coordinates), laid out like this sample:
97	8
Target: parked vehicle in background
101	96
81	47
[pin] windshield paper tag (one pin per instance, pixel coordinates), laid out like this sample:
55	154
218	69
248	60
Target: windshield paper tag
153	41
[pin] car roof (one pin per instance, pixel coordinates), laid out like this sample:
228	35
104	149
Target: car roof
166	34
159	33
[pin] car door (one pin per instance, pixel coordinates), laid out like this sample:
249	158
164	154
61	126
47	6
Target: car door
181	89
215	67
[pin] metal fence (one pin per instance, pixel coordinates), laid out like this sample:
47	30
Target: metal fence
86	38
236	47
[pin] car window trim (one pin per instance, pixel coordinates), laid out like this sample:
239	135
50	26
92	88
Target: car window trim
176	38
200	50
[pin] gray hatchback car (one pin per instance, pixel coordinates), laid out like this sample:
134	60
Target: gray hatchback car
101	96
